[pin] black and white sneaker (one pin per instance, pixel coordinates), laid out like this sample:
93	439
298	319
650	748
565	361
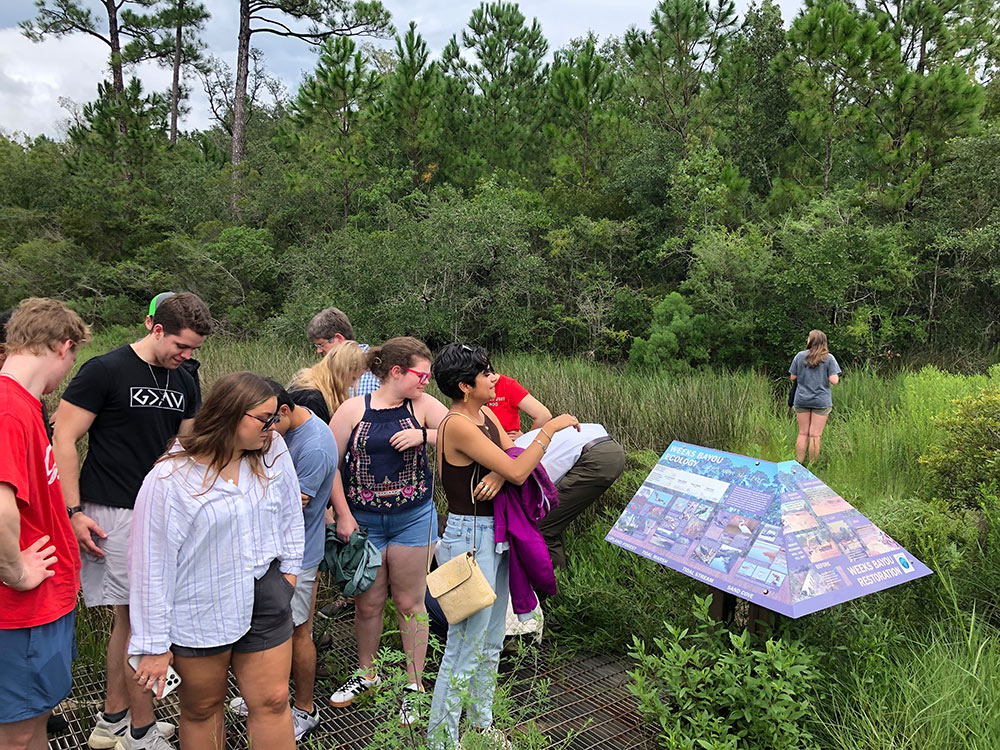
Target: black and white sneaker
357	685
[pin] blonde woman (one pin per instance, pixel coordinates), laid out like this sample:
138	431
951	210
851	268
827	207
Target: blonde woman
323	387
814	370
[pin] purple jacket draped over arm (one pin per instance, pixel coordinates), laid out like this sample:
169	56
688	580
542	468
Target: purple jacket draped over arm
516	513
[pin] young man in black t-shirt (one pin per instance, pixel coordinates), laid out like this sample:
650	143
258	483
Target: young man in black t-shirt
132	402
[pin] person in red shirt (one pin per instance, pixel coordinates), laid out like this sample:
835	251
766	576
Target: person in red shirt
39	556
512	398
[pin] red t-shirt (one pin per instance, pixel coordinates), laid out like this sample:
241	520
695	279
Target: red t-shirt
510	394
27	464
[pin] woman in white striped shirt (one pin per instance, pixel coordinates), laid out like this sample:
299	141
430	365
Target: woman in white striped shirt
216	544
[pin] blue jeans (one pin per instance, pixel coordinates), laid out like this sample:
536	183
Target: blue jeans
468	672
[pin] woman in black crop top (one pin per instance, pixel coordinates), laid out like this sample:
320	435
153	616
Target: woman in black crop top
474	466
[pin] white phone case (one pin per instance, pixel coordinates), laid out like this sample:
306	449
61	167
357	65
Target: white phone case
173	679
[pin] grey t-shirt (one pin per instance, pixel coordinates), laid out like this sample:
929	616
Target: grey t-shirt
314	453
813	391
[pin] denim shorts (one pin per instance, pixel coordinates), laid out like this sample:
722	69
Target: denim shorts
270	623
35	668
406	528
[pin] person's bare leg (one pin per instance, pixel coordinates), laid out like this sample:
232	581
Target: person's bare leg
304	659
408	581
27	734
202	694
802	441
368	608
140	701
816	426
117	697
262	677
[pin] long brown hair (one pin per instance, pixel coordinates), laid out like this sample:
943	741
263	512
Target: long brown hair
333	375
213	435
816	348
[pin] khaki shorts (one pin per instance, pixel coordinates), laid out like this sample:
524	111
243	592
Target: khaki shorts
104	580
822	412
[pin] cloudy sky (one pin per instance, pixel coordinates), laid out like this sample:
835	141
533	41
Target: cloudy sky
39	81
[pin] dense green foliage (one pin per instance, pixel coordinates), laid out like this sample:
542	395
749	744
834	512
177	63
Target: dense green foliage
699	192
708	687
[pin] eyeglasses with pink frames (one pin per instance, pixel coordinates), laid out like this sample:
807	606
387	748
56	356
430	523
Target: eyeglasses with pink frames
422	377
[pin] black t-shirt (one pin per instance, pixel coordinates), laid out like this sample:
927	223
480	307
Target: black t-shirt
313	400
139	410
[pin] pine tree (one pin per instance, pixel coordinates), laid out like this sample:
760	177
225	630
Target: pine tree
327	118
411	107
673	63
838	63
501	86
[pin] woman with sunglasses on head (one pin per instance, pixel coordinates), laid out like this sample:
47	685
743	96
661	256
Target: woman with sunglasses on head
474	466
385	485
216	545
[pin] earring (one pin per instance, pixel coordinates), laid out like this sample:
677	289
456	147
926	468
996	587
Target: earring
465	398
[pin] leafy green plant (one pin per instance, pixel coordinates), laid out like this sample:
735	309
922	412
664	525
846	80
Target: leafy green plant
968	456
714	689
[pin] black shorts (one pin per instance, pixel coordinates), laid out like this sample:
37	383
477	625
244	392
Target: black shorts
270	623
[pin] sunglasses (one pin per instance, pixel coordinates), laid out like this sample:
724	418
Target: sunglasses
422	377
266	423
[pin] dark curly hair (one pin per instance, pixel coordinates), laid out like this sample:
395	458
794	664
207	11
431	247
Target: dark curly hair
459	363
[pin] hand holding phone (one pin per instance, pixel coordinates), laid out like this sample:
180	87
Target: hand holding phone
150	674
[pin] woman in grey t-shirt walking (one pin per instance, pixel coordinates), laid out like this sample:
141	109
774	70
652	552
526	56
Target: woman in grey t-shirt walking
814	371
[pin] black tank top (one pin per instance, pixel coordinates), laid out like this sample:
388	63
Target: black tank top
456	480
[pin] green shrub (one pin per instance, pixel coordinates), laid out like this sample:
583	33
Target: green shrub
968	456
713	689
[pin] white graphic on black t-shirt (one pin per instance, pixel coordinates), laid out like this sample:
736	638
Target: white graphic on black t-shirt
156	398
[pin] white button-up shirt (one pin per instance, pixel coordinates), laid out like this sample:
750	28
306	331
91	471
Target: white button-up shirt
565	447
195	551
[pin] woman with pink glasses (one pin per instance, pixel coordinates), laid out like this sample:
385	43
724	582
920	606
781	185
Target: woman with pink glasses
385	486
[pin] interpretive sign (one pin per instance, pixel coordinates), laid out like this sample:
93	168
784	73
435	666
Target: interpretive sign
770	533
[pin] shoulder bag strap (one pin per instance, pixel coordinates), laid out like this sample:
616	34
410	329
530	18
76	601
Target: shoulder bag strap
440	462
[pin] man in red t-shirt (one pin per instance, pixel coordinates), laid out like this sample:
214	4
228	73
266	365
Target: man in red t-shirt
511	399
39	556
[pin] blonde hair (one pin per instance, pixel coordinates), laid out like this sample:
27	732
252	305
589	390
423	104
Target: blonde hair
333	375
816	348
40	323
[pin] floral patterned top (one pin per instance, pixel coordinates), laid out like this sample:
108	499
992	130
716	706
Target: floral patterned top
377	477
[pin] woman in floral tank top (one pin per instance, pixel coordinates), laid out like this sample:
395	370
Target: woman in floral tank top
385	485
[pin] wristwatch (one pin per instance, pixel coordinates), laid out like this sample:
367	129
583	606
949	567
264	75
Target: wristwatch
74	509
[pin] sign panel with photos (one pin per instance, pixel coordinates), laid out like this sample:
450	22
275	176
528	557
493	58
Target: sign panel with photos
770	533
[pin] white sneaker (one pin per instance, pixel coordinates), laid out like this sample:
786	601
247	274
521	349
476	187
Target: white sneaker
303	721
152	740
106	734
357	685
498	739
238	706
408	713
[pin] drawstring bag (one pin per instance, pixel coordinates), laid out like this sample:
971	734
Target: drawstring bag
459	585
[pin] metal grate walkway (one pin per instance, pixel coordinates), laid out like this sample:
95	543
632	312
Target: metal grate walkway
577	704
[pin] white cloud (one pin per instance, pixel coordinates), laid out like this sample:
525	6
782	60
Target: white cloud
34	77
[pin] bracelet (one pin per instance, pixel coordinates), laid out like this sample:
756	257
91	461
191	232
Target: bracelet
24	572
544	446
542	430
425	434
